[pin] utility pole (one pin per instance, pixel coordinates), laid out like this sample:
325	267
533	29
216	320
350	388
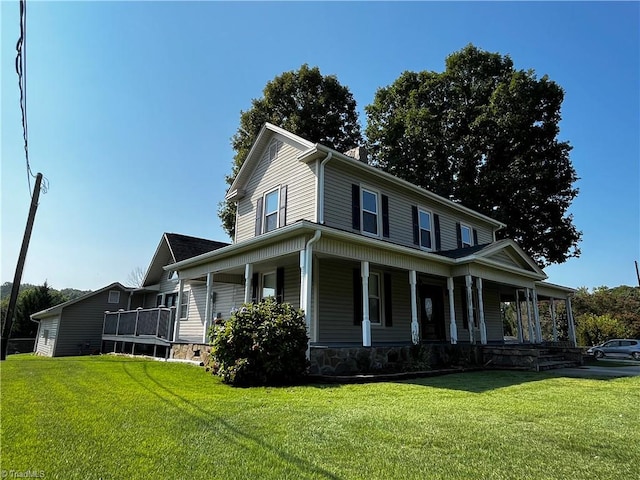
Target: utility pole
17	279
637	273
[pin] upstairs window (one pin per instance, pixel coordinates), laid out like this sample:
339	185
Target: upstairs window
369	212
271	210
424	219
465	235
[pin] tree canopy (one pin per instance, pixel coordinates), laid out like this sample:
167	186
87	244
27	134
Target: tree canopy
30	300
483	134
304	102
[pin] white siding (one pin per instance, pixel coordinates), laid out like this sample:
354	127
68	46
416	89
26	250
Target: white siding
48	335
228	297
192	328
285	169
338	181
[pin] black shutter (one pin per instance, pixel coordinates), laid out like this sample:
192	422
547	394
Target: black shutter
388	305
385	216
254	288
357	297
355	206
475	236
465	309
436	227
280	285
282	217
259	216
416	225
458	235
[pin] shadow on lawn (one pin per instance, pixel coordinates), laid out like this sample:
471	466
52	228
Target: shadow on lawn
484	381
233	433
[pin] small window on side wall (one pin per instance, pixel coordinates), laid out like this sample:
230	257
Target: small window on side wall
114	296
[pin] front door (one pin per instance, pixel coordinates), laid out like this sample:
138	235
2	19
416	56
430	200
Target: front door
432	313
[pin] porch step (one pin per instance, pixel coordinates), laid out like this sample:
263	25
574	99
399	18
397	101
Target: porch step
554	364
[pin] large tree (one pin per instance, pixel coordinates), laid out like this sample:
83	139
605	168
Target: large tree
486	135
304	102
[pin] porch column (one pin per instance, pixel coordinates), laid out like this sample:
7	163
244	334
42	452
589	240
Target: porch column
308	293
519	317
453	328
536	316
483	326
248	274
527	295
552	304
303	284
366	323
571	325
415	329
176	330
468	282
208	307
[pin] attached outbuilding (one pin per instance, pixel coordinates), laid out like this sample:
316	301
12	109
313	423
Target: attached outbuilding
75	327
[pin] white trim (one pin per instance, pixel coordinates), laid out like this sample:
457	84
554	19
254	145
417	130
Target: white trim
462	242
275	288
248	276
378	213
453	327
366	324
483	326
431	228
380	321
277	191
114	297
184	304
415	326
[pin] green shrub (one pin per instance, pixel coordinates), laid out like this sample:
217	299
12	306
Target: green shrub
261	344
596	329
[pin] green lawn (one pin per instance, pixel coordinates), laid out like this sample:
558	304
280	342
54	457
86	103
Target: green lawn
119	418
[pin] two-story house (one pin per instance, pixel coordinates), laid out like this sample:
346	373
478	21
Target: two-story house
370	258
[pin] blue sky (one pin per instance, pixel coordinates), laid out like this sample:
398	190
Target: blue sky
131	107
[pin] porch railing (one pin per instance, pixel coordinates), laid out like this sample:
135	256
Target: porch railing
154	322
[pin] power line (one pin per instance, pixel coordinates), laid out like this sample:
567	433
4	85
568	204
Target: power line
21	70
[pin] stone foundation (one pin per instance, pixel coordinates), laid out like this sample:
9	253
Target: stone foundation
195	352
388	359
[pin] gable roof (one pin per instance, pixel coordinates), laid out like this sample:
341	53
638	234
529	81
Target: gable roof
268	130
57	309
184	246
311	151
175	247
486	251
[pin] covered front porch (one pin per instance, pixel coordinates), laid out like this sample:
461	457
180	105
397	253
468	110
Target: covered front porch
357	290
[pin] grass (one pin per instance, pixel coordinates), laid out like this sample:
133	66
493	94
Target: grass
112	417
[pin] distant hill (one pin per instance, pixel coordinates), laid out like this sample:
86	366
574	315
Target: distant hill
68	293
